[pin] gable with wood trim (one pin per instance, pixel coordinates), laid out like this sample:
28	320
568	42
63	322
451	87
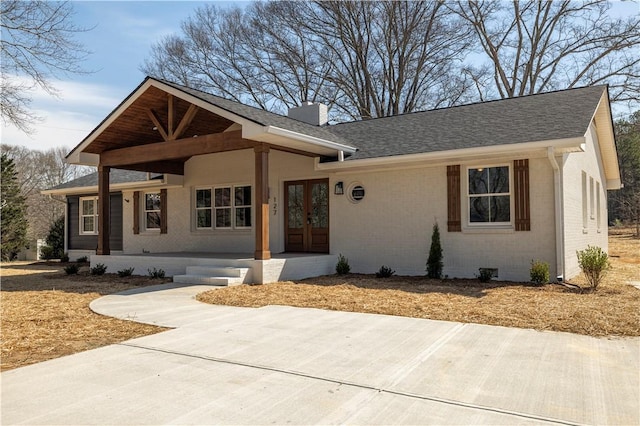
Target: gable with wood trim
503	180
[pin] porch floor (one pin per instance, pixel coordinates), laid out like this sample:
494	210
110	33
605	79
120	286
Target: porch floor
281	266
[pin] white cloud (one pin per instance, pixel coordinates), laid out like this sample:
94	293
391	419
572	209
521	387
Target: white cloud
67	119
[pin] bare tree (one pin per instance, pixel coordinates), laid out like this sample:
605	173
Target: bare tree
364	59
37	44
535	46
38	170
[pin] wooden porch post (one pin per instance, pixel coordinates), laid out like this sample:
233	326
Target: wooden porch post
103	210
262	202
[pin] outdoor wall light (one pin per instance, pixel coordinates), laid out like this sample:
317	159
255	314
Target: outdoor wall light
339	188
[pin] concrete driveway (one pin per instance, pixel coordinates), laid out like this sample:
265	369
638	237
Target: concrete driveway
282	365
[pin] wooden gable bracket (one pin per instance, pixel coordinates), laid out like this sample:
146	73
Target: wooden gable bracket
172	132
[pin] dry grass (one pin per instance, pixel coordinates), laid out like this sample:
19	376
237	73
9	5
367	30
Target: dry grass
45	313
614	310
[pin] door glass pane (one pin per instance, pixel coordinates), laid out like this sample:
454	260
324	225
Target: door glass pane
320	205
296	206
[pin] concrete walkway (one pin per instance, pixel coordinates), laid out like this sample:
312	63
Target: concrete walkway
277	365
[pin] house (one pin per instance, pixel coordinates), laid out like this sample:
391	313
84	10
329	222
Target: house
190	181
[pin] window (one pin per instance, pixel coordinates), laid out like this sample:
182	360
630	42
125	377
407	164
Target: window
152	208
88	215
591	198
226	207
203	208
585	213
489	195
598	210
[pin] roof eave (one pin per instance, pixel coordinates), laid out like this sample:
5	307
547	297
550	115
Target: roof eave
606	141
455	155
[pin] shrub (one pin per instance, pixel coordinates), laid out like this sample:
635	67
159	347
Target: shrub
485	275
539	272
594	263
434	262
64	258
83	259
342	267
47	252
125	272
99	269
72	269
384	272
155	273
55	238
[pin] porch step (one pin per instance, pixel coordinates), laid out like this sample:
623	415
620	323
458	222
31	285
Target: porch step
210	275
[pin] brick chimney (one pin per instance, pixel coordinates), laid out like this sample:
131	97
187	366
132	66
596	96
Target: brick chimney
315	114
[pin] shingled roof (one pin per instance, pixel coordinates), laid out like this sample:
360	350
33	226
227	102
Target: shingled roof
116	176
260	116
541	117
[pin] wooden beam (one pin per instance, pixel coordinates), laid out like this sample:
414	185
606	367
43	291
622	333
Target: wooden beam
178	149
262	202
186	120
171	114
103	211
156	122
171	167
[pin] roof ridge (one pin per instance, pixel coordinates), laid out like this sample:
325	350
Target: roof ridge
473	104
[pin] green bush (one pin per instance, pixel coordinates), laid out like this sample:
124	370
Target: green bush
485	275
125	272
594	263
47	253
72	269
539	272
99	269
434	262
384	272
155	273
342	267
64	258
83	259
55	238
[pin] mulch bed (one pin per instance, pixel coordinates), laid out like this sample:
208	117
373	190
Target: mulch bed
45	313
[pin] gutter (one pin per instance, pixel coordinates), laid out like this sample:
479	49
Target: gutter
557	191
310	139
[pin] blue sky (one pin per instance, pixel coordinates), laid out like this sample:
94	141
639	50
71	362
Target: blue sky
121	38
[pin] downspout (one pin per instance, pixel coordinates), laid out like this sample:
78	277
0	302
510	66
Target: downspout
558	213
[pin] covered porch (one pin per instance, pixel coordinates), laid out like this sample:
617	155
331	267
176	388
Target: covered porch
158	129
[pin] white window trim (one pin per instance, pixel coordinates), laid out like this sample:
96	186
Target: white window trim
471	226
213	208
145	211
592	206
94	215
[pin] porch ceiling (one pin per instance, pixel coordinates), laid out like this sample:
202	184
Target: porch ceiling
134	127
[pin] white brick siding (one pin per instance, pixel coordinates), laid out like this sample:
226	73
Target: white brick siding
577	237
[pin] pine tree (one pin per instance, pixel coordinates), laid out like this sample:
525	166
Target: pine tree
55	238
13	222
434	262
